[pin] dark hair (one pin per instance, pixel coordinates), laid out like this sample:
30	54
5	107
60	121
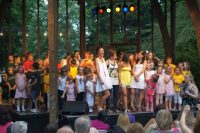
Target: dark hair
102	116
142	58
87	70
76	51
36	65
51	128
112	52
125	58
10	54
155	78
98	48
73	61
4	116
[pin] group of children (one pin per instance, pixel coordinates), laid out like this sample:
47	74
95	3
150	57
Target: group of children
77	82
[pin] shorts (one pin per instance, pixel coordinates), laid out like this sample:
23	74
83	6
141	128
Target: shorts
168	98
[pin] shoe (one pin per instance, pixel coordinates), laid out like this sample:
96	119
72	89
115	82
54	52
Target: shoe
18	109
23	109
34	110
91	110
126	111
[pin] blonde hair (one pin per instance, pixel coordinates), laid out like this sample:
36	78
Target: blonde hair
136	128
164	120
123	121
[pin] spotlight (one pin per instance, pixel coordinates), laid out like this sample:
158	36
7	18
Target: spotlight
102	10
109	9
132	8
95	10
125	8
118	8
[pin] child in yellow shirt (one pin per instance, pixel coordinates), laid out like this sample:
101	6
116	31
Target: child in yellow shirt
169	64
178	78
46	88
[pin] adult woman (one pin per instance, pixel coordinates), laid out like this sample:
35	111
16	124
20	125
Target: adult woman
138	81
190	91
112	66
103	81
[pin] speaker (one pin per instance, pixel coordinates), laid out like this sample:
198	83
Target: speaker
75	107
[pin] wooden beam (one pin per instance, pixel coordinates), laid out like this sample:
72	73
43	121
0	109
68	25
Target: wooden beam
163	27
82	26
52	41
67	26
194	12
5	4
38	27
24	26
173	28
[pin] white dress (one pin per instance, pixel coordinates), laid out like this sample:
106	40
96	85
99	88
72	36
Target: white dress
140	84
105	77
90	97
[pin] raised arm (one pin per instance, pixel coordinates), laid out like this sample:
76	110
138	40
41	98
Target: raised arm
183	125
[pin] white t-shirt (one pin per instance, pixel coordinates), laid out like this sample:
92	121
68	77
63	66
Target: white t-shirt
80	82
90	87
62	83
113	72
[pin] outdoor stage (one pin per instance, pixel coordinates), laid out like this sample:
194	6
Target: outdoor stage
38	121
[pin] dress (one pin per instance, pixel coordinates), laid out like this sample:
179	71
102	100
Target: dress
89	96
160	86
21	85
169	87
126	76
140	84
71	92
105	77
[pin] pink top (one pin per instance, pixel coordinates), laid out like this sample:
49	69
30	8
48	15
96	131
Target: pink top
150	88
160	86
3	129
169	87
100	125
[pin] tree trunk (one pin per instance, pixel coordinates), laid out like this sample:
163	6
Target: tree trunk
194	12
24	26
38	26
163	27
5	4
52	41
67	27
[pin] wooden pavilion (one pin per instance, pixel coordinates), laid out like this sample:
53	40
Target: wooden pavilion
169	38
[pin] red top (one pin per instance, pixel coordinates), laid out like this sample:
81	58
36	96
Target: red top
28	65
151	86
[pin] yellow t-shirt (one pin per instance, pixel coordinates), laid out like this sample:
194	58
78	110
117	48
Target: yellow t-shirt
177	80
186	73
172	66
73	71
46	83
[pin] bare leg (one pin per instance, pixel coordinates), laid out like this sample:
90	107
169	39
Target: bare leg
141	97
125	102
23	105
132	99
18	105
103	98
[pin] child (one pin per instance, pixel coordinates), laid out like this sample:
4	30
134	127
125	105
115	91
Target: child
35	85
169	64
169	89
20	94
62	85
80	84
186	69
149	71
46	88
5	88
70	90
11	81
178	79
90	92
160	86
150	91
73	68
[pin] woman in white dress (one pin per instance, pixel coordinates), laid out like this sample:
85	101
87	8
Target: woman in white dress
138	81
103	82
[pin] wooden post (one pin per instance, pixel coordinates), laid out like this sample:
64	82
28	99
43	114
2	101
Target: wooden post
82	25
97	27
24	26
9	33
38	27
152	28
173	28
52	41
139	26
111	24
67	26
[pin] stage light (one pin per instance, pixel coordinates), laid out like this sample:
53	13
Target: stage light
95	10
108	10
132	8
118	8
102	10
1	34
125	8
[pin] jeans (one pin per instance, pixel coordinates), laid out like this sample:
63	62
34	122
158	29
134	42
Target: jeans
115	92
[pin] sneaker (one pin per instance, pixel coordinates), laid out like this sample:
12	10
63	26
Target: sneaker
18	109
91	110
34	110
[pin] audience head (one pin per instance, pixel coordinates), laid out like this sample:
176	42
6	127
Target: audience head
4	116
51	128
19	127
82	125
135	128
102	116
11	57
164	119
123	121
65	129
